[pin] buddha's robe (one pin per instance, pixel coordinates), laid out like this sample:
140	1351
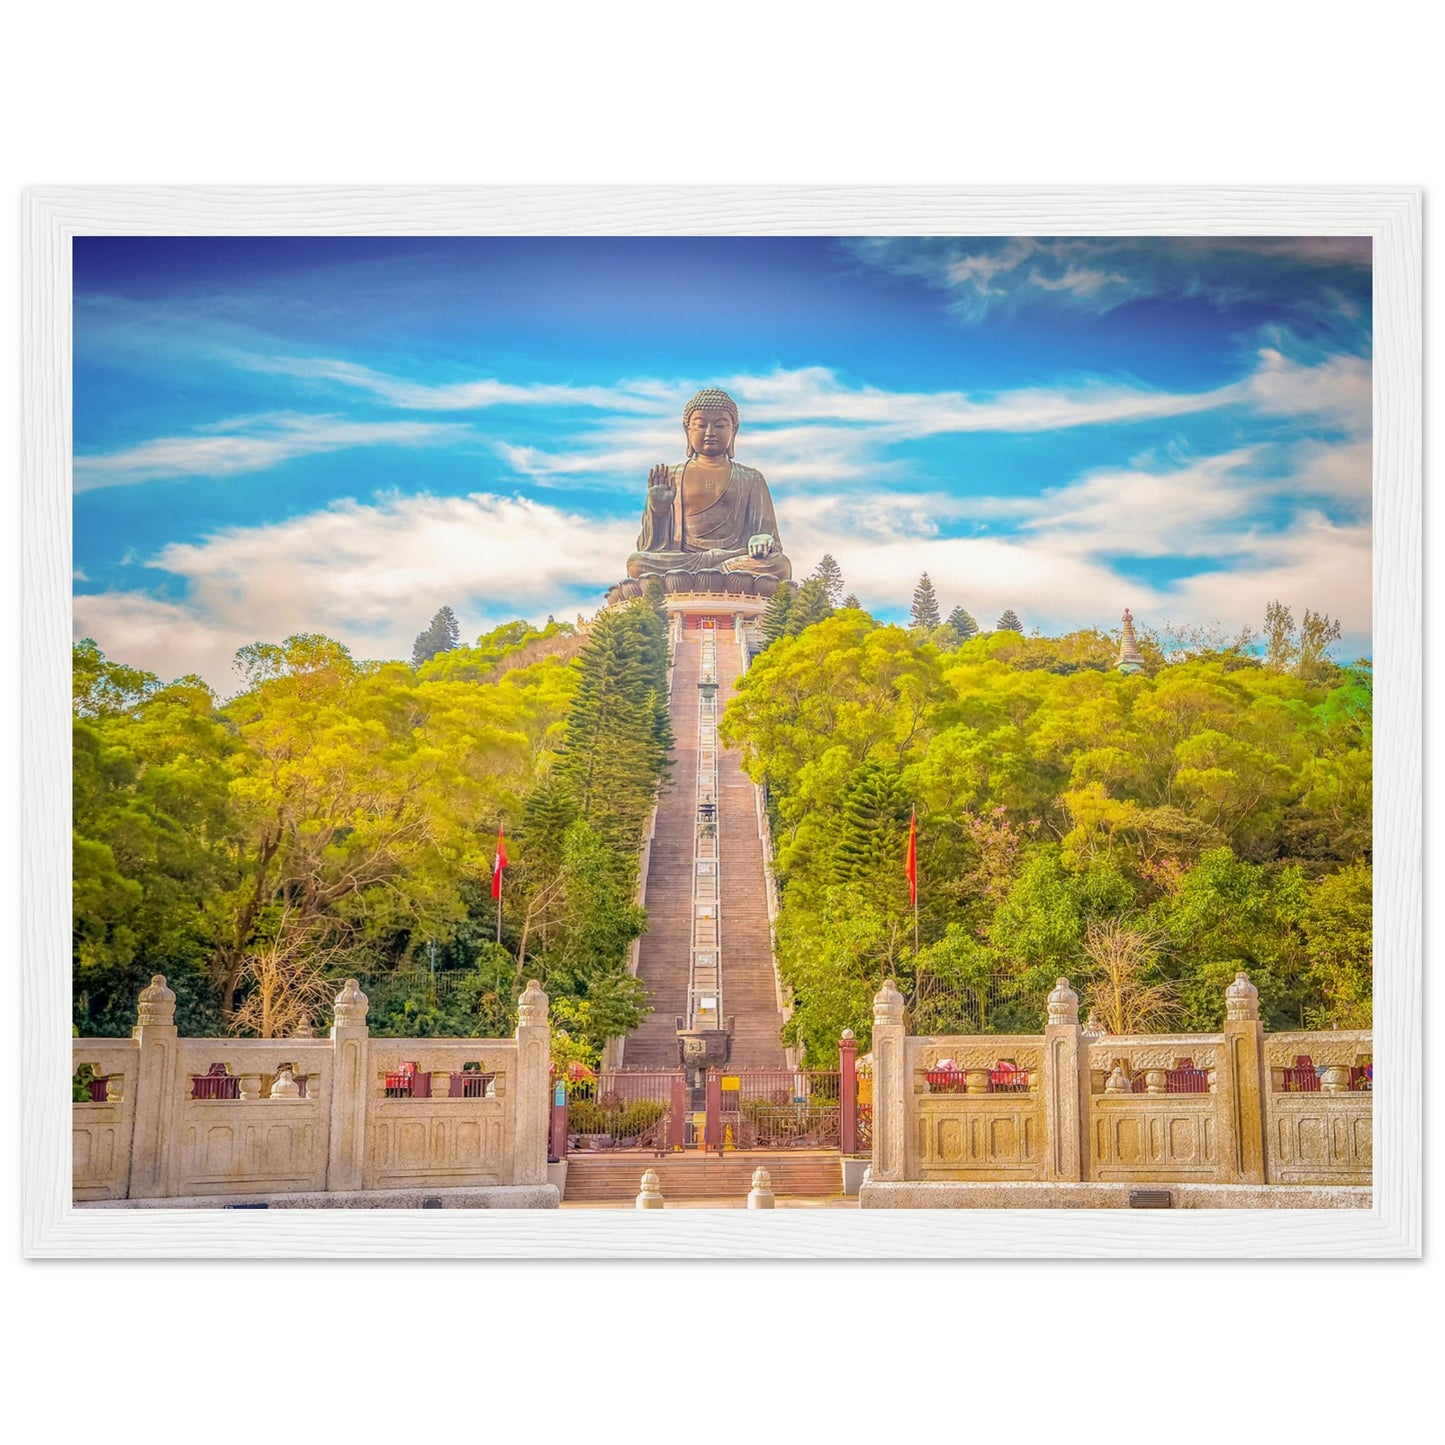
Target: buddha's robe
712	538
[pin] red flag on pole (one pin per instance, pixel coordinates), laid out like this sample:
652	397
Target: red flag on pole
911	867
499	863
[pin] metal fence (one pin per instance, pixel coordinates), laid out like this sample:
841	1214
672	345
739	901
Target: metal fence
936	1006
781	1109
623	1109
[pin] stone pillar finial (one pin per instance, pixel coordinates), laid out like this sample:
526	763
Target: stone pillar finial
848	1033
761	1195
1095	1027
888	1004
1063	1004
285	1086
351	1004
532	1006
1241	999
157	1004
651	1196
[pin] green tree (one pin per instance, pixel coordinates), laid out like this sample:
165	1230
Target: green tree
835	957
619	738
156	841
1337	921
810	605
872	828
830	574
774	622
924	611
1009	622
586	964
1281	650
1317	632
963	624
441	634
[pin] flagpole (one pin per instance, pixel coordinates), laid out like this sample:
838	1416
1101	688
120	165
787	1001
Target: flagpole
499	867
911	870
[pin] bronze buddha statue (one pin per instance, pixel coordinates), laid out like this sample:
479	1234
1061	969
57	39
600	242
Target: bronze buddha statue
708	514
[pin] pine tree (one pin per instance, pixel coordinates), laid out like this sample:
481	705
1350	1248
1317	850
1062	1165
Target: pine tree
924	612
549	811
963	624
618	734
653	595
873	826
809	606
1009	622
851	601
442	634
775	615
830	574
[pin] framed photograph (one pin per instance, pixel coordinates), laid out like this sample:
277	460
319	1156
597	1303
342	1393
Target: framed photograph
705	722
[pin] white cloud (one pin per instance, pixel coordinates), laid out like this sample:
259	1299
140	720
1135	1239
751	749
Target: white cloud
163	637
1339	389
251	444
1069	563
463	395
979	275
368	575
1340	471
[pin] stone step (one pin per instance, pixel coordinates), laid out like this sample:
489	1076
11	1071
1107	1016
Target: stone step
814	1174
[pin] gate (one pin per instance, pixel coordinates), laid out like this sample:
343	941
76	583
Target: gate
619	1109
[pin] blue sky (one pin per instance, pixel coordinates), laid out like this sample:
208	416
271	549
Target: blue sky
277	435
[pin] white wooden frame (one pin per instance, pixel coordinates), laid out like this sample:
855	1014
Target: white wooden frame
1391	216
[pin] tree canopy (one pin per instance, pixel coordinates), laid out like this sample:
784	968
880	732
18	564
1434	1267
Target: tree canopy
1147	835
343	813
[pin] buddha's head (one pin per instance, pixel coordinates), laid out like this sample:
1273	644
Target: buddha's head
710	423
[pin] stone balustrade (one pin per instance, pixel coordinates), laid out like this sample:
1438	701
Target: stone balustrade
198	1118
1076	1105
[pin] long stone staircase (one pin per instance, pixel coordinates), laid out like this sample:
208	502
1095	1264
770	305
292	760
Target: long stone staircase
749	994
662	963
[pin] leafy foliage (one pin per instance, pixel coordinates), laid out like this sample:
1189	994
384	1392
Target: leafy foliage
339	816
1147	834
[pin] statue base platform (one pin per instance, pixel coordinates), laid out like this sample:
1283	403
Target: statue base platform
721	589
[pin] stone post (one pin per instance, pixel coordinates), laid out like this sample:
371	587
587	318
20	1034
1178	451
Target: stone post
677	1113
1064	1084
157	1091
890	1086
712	1134
1241	1082
848	1094
531	1092
651	1196
350	1090
760	1196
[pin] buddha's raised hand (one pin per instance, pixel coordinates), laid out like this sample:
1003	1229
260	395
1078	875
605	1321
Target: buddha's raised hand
661	488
